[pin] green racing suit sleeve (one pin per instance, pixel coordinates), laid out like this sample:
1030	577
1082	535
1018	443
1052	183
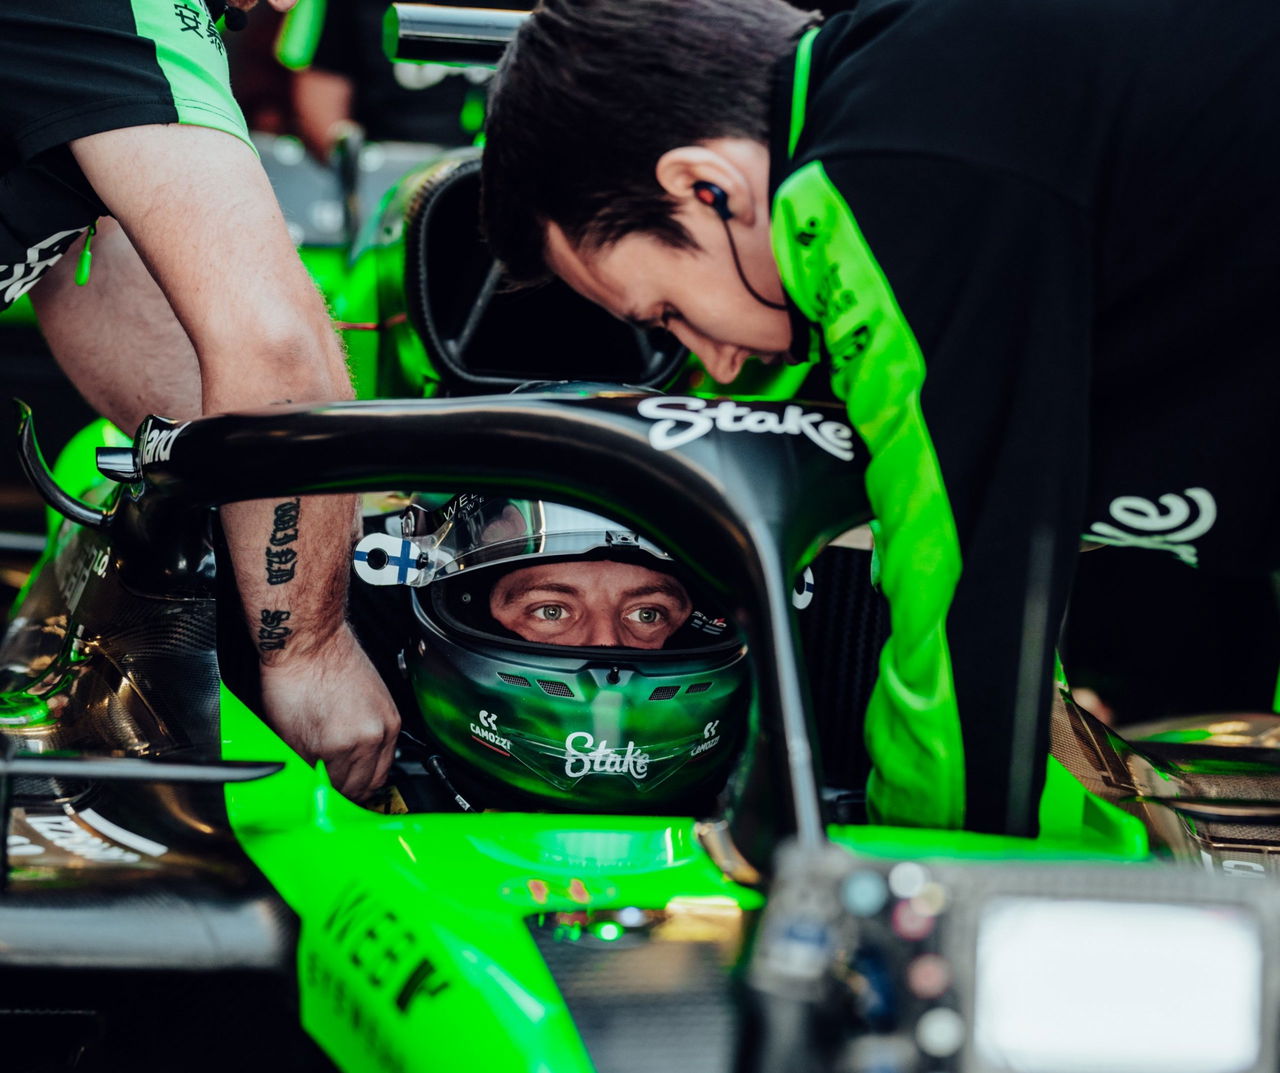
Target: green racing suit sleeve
960	348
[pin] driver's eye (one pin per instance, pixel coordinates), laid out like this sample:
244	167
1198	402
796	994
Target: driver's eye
646	615
549	612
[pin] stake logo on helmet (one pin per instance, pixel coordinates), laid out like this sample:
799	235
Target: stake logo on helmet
591	643
602	759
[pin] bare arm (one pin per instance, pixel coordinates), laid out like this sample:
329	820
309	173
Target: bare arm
199	211
89	337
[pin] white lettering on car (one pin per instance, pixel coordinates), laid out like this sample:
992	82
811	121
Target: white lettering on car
66	834
682	420
159	444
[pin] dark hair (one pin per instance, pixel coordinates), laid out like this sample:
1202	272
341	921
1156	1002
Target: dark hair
592	92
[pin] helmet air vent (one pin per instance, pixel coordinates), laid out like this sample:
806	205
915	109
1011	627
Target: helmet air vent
698	687
555	689
664	692
514	679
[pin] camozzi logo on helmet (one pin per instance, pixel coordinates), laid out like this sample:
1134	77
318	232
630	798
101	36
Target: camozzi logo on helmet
582	756
488	731
710	738
683	420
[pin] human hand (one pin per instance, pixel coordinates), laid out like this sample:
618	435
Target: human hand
330	704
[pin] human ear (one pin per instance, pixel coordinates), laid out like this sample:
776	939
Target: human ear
679	169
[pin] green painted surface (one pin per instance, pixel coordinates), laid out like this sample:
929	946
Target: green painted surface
1075	825
1183	737
328	267
418	921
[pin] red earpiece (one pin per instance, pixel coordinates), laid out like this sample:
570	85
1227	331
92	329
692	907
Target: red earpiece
711	195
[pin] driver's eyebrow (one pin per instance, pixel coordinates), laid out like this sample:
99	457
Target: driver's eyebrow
520	591
663	588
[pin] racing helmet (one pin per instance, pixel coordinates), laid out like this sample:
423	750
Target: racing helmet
530	721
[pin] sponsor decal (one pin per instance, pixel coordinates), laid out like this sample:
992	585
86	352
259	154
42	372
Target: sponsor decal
74	567
682	420
1170	523
19	846
87	835
802	594
347	1005
713	626
66	834
118	834
159	444
382	559
486	730
710	738
382	950
1236	869
582	756
462	505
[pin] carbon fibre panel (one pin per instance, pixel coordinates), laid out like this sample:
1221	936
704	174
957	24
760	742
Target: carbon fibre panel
642	1004
180	928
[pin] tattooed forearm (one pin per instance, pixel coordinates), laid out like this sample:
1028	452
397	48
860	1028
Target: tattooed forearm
272	633
281	558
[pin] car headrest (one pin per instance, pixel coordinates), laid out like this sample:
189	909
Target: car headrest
483	336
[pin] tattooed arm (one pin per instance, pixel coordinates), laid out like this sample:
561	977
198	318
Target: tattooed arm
319	690
213	318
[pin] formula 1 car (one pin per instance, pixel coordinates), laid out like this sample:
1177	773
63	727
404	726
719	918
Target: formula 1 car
182	890
181	887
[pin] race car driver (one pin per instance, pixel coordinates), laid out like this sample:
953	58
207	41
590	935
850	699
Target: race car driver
189	299
559	659
1038	245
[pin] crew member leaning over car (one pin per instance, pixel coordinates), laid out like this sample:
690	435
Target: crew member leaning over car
1038	245
194	302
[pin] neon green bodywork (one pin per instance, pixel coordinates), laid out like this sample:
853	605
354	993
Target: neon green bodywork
418	921
391	360
414	953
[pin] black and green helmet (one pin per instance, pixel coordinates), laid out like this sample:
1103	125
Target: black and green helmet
607	728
